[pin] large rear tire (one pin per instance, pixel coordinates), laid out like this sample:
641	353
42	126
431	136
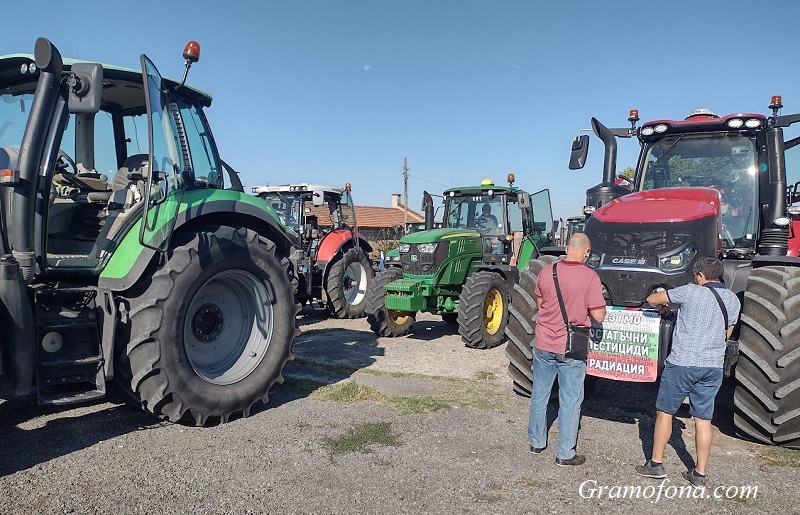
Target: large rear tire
521	327
767	374
483	310
348	282
209	334
382	321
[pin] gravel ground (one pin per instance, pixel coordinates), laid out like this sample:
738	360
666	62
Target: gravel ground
469	458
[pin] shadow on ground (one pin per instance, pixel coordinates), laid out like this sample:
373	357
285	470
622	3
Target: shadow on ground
634	403
26	448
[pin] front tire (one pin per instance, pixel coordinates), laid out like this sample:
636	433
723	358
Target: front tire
768	370
382	321
210	332
483	310
521	327
348	282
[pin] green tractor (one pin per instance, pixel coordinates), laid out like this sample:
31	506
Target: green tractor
125	253
463	271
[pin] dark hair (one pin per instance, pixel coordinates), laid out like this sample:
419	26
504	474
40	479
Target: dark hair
710	267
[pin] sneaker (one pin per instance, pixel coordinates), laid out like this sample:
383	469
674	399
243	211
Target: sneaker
537	450
648	470
690	476
578	459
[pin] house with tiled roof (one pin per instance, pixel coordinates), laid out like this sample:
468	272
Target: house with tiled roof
375	222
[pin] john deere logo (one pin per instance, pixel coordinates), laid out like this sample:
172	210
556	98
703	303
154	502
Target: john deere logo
414	258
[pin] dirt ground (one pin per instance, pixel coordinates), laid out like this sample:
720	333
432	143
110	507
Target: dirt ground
419	424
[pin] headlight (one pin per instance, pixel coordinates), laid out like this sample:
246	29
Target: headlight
404	247
394	258
593	261
678	261
427	248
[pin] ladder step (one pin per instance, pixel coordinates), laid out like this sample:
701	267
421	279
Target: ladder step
65	398
71	362
74	323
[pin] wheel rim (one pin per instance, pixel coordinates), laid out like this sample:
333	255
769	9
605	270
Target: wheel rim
228	327
398	317
492	311
355	283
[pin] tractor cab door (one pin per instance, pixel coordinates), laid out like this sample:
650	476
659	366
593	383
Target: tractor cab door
348	210
163	178
541	214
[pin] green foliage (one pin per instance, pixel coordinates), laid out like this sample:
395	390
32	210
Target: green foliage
361	438
384	242
628	173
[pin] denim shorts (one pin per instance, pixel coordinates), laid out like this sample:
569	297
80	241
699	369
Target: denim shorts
701	384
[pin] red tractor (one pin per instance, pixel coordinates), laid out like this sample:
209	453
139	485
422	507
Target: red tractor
331	258
706	185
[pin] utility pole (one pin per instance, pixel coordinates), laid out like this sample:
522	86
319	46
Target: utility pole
405	194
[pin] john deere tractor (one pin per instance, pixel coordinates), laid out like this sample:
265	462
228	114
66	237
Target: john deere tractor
464	270
331	258
126	254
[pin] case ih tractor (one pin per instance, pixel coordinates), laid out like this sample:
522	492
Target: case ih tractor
716	186
464	270
124	255
331	258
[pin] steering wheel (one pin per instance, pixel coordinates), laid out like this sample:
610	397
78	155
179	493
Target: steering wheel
64	161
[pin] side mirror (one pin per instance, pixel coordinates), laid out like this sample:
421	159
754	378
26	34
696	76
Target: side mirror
580	149
317	198
86	91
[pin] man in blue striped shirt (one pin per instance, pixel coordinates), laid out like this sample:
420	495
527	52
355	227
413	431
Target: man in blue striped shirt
694	365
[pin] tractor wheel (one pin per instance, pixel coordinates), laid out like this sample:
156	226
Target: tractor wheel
382	321
450	318
483	310
768	370
348	281
521	326
209	332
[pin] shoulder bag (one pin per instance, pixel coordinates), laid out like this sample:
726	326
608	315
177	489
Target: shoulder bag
577	336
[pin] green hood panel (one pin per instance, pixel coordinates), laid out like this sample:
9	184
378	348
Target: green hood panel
434	235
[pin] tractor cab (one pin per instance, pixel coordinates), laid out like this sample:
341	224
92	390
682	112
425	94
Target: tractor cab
502	216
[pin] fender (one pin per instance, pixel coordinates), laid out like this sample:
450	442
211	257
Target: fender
509	273
200	206
333	242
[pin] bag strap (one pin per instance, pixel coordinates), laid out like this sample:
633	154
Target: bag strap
721	306
560	299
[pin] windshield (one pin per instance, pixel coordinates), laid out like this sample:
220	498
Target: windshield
14	110
481	212
724	162
287	205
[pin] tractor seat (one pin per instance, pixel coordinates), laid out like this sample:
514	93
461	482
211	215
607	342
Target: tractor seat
126	192
84	187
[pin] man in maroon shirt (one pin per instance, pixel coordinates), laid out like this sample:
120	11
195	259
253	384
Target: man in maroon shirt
584	302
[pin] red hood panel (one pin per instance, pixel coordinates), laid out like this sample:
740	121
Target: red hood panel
661	205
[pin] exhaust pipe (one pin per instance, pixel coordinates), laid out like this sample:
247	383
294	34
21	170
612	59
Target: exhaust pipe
23	203
427	207
774	240
607	190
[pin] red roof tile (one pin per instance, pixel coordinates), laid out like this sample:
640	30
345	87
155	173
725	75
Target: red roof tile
372	216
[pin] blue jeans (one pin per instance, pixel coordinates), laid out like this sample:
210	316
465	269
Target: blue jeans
571	373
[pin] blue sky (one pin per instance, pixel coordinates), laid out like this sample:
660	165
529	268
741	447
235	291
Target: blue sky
334	92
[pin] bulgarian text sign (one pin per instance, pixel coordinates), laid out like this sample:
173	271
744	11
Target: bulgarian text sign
626	347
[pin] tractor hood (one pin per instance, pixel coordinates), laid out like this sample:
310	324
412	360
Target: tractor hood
661	205
435	235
